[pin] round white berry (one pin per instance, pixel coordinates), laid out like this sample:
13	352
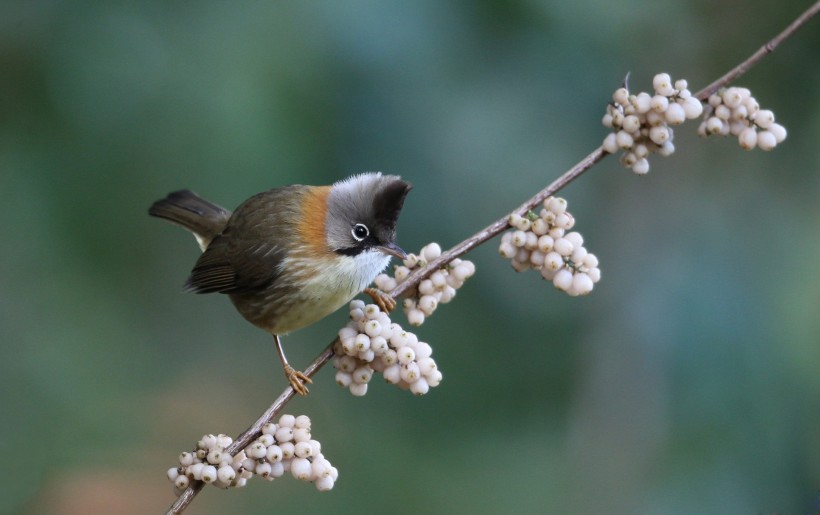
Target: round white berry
426	365
428	303
659	103
662	83
766	140
764	118
302	422
575	238
357	314
362	375
594	274
390	357
274	454
675	114
361	342
578	255
523	224
283	434
621	96
732	97
343	379
378	345
642	102
434	378
277	469
226	474
186	458
553	261
779	132
659	134
358	389
287	450
692	108
401	273
301	434
415	317
624	140
257	450
392	374
431	251
532	241
466	269
173	474
263	469
631	124
182	482
537	258
324	484
563	279
563	246
423	350
667	149
410	372
208	474
748	138
610	144
266	439
581	283
519	239
303	450
420	386
320	468
507	250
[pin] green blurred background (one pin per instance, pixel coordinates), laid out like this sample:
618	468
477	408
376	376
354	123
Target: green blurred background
688	382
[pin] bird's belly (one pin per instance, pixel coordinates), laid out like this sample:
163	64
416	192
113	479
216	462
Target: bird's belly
321	291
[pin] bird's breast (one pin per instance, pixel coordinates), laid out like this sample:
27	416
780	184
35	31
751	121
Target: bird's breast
308	289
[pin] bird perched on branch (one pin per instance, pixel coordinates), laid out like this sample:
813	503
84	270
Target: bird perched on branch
290	256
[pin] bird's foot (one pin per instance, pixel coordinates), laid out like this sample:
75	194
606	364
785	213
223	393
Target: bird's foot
385	302
297	380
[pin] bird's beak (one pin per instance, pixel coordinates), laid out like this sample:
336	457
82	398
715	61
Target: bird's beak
391	249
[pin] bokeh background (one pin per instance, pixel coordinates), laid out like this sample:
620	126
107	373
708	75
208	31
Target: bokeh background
688	382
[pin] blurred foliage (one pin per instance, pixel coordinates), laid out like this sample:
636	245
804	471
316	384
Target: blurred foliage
689	382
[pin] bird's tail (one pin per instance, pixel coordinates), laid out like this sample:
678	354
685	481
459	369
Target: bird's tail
205	219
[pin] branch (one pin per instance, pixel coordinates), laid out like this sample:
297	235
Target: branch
762	52
489	232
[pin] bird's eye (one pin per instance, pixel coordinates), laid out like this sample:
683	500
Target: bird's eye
360	232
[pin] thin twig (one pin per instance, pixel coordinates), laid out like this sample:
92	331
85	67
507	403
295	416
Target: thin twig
762	52
489	232
497	227
253	432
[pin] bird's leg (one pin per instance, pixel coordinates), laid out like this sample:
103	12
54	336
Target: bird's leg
296	379
385	302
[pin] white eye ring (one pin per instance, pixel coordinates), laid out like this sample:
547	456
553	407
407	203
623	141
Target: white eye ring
360	232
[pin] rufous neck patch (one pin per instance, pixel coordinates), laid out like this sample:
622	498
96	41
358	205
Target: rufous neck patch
314	213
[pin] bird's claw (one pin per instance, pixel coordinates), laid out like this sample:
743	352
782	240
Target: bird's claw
385	302
297	380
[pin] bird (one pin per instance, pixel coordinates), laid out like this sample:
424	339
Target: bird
292	255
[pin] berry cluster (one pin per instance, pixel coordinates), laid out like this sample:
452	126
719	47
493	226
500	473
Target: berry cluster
370	342
543	241
735	111
439	288
283	447
641	123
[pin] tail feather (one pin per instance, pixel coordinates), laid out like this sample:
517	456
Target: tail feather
203	218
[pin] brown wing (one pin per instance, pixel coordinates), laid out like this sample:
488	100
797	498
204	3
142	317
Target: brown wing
248	254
